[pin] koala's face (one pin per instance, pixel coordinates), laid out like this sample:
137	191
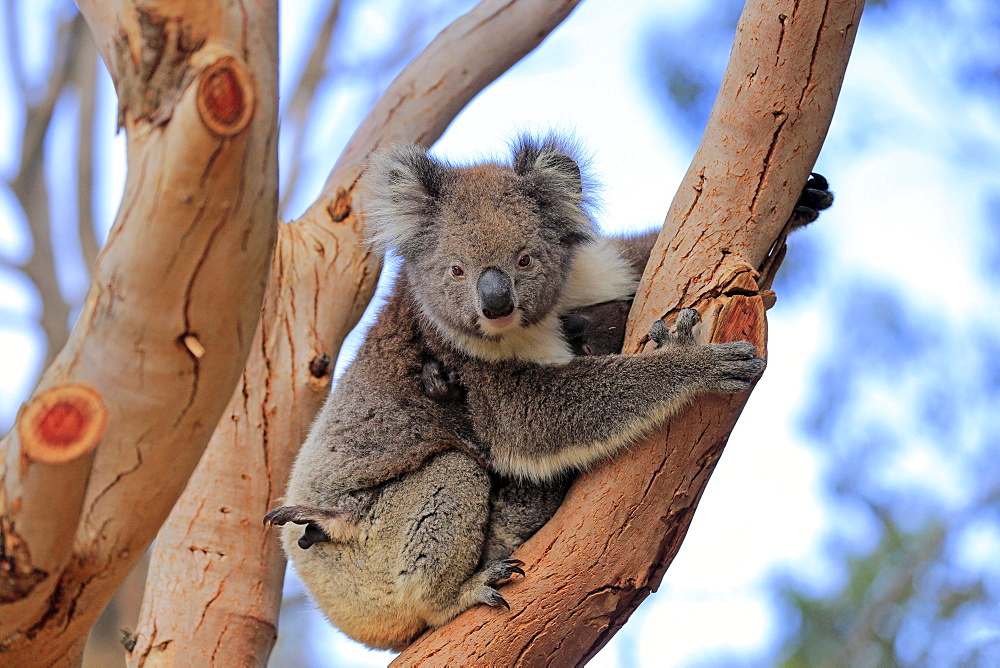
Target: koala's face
487	248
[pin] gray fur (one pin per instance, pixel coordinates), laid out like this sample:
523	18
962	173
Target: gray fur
424	492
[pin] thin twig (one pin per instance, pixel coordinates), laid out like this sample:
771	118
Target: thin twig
13	42
30	188
86	83
299	110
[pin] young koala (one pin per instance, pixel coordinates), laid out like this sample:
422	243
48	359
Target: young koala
519	508
394	485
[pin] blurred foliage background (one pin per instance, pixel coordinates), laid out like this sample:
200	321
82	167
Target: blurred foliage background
855	517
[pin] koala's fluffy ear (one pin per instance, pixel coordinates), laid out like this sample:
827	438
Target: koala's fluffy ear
552	175
406	186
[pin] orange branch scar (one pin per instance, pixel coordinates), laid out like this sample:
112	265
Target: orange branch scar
62	423
225	97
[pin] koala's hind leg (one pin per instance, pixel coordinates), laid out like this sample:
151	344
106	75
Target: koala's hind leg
517	510
438	519
479	589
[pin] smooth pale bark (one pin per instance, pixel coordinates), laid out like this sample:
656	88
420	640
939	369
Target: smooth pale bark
214	585
610	543
108	439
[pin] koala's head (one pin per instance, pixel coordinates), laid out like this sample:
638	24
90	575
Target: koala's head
487	248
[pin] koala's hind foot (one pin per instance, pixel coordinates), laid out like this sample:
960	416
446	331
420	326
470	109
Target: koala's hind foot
815	197
322	524
479	589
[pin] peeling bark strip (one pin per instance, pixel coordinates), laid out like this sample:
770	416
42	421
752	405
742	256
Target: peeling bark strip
322	278
164	332
17	575
62	423
622	523
152	59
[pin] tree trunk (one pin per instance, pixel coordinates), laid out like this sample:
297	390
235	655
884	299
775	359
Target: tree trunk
214	585
108	439
610	543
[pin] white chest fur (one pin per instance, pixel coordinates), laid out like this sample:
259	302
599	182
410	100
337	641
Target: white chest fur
599	274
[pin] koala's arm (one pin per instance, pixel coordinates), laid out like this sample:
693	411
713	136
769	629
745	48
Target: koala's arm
378	424
544	420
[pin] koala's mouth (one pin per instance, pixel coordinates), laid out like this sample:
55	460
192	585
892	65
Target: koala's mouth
497	326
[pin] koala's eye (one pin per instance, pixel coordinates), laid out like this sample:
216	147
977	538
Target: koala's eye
457	271
524	261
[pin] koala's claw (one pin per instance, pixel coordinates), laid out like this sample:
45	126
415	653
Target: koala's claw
285	514
686	320
300	514
498	571
817	182
502	569
491	597
660	334
513	565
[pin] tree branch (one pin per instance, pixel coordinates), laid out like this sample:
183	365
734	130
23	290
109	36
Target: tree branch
214	548
108	439
610	543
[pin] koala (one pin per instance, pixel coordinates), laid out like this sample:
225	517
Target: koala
518	508
396	483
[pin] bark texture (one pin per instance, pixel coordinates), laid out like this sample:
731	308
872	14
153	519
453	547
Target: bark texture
108	439
214	585
621	525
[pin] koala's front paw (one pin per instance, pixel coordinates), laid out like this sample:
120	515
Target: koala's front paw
322	524
815	197
440	382
736	366
686	320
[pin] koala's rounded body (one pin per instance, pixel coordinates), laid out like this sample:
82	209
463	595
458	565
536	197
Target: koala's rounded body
412	506
436	517
413	542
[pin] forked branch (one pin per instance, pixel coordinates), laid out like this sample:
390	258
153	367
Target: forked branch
108	439
214	548
622	523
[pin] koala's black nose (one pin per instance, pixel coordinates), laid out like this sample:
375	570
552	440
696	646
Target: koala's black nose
496	294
